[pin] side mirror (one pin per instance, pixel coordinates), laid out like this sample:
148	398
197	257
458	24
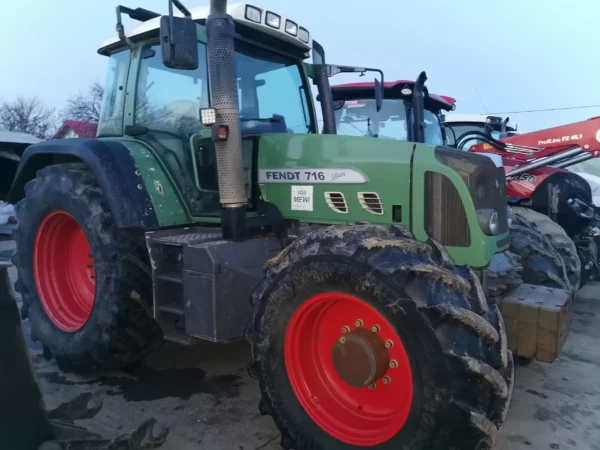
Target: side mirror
179	43
378	95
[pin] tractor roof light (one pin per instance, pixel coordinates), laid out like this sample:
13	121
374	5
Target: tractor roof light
291	28
253	14
273	20
208	116
304	35
273	24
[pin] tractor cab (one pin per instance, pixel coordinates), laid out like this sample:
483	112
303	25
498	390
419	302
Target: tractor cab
356	114
159	106
465	130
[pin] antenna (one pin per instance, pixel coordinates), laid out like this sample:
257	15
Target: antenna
481	99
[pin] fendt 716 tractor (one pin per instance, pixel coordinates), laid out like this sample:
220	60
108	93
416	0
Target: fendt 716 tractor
209	184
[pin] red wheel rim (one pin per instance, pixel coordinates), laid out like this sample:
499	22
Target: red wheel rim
362	416
63	269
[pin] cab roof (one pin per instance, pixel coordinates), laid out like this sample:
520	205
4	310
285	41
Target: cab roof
393	89
200	14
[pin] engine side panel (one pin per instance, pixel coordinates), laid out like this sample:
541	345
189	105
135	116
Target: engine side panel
299	173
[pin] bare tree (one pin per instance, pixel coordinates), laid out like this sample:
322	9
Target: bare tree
85	106
28	115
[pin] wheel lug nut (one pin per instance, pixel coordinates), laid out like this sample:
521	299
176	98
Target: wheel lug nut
342	340
375	328
389	344
372	386
359	323
315	399
386	380
393	364
346	330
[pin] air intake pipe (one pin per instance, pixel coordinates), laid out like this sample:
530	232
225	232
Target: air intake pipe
419	108
224	98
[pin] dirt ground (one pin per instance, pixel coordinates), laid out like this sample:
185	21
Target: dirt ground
204	395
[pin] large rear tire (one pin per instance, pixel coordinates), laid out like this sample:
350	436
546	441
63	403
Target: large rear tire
547	253
442	378
85	284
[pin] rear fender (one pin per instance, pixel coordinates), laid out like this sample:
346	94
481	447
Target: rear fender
113	166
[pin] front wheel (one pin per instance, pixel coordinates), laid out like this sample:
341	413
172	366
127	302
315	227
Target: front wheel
548	254
363	337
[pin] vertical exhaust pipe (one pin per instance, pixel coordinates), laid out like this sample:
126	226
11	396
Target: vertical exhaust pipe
419	108
223	89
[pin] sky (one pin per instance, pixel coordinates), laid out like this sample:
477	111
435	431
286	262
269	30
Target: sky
493	57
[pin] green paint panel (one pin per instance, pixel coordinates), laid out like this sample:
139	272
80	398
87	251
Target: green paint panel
385	165
164	198
482	247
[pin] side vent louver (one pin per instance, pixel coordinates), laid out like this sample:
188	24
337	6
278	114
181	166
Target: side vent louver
371	202
337	202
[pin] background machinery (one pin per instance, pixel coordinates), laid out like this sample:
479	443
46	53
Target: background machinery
538	179
356	115
209	184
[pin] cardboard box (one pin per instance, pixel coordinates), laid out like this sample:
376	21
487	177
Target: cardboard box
536	320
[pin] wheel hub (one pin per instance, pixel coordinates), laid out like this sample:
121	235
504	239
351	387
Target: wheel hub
63	269
360	357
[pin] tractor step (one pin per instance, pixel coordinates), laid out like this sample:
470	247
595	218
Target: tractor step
170	277
178	338
187	238
202	283
172	309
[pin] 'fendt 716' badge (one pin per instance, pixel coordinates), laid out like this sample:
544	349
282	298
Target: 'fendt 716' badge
312	176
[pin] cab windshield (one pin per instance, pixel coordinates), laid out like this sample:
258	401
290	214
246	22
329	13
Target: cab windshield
360	118
271	92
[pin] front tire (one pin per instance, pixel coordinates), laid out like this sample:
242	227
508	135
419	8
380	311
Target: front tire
548	254
85	284
446	377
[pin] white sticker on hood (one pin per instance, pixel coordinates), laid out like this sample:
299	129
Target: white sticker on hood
302	198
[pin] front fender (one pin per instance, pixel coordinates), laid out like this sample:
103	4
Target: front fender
114	169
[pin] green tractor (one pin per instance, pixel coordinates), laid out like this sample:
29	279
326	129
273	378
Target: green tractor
209	185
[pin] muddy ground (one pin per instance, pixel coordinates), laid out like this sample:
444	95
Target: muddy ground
204	395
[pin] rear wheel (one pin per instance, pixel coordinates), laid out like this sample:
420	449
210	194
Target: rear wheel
548	254
85	284
364	337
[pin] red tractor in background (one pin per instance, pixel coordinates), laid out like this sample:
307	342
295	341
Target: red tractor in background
537	180
550	231
355	111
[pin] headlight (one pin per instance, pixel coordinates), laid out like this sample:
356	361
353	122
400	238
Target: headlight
253	14
489	221
493	225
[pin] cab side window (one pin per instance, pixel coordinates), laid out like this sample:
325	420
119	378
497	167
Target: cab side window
171	98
